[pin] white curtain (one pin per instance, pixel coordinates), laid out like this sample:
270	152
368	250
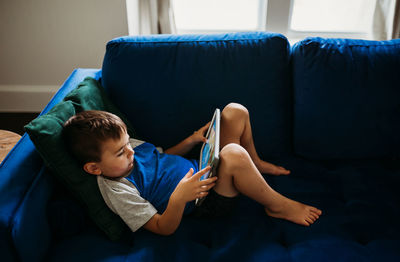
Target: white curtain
386	20
150	17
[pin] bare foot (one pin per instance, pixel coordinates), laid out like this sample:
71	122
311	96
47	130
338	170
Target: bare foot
295	212
268	168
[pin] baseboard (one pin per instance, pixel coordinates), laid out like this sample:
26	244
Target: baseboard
25	98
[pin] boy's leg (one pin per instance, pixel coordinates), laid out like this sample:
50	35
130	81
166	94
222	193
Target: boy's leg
236	128
238	174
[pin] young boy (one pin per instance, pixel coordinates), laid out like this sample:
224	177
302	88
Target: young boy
154	190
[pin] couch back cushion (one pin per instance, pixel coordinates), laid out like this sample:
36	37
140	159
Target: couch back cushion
346	95
169	85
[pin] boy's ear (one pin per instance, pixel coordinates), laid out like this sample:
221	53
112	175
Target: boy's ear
92	168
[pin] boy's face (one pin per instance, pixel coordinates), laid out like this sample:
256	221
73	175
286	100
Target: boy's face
116	158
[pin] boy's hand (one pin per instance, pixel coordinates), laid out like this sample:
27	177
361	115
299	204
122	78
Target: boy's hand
186	145
190	187
199	135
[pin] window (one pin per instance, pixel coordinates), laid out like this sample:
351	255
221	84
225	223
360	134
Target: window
296	19
211	16
331	18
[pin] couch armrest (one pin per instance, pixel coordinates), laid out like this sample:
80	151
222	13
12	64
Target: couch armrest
21	166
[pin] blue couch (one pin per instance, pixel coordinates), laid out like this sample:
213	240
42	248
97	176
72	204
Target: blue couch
327	109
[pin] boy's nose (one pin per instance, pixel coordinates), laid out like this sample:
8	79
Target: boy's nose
130	152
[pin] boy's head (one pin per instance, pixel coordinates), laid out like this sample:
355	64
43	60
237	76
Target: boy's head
100	142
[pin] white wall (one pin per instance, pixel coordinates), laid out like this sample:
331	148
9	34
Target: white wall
43	41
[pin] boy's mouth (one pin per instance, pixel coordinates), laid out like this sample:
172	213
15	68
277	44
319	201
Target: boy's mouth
130	166
131	163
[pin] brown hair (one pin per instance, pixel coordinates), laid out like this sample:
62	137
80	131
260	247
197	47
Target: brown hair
85	132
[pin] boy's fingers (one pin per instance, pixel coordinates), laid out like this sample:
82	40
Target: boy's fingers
190	173
202	194
209	181
208	186
204	128
201	172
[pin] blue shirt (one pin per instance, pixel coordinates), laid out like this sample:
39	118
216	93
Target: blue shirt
156	175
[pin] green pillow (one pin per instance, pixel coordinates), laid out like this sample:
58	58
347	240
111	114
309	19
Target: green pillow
46	134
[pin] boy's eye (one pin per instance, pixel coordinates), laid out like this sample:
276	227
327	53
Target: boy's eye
123	150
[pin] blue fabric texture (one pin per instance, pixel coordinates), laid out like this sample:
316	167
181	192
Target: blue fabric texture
31	231
182	79
346	96
156	175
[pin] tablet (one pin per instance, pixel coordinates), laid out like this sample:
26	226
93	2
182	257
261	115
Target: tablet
209	154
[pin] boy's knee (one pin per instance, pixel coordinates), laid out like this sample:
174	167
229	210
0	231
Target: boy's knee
233	154
235	109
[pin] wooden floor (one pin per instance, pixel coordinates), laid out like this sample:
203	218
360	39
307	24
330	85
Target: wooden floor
7	142
15	122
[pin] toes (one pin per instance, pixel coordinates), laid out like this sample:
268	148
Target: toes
304	223
309	221
281	171
314	216
316	211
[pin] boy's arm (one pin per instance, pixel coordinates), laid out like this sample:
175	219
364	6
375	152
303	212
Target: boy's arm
188	189
168	222
186	145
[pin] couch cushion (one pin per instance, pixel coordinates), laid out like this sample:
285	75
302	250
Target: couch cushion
169	85
359	200
46	134
346	96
